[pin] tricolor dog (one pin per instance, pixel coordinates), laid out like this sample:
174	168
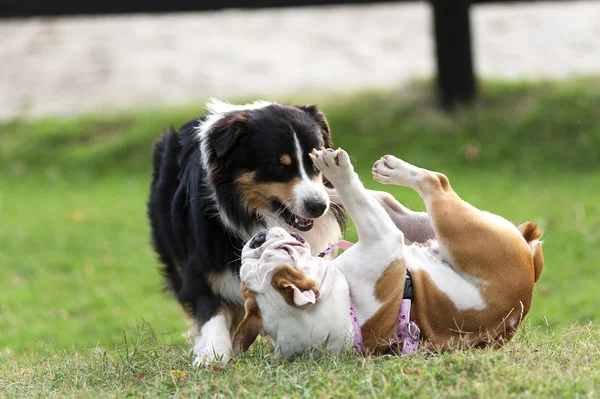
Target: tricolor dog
472	281
219	180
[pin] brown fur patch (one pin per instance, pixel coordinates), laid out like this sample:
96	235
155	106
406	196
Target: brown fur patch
381	328
251	325
444	327
257	195
488	251
286	277
285	160
530	231
538	262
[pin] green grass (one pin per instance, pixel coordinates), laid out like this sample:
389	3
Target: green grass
77	270
561	365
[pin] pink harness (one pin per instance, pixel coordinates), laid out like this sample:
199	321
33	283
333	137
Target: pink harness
408	332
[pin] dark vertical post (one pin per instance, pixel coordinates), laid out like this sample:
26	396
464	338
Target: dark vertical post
455	77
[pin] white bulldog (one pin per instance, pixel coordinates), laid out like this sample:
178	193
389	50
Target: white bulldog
472	280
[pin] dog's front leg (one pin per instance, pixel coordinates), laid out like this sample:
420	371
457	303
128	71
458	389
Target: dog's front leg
416	226
371	220
212	337
380	243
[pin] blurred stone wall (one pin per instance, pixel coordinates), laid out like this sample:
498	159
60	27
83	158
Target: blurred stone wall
62	66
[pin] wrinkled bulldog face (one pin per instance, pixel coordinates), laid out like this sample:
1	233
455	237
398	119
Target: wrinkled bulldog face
276	246
283	260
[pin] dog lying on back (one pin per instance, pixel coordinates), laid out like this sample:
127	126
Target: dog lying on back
472	281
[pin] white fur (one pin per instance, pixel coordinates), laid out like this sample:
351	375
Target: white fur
380	242
293	330
214	342
463	292
306	188
533	245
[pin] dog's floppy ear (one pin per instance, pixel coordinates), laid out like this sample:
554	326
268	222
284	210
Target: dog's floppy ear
226	131
251	325
294	286
319	117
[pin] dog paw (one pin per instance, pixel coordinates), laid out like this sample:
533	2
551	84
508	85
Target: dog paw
208	358
335	165
391	170
212	351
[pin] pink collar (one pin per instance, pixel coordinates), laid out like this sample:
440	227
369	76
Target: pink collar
408	332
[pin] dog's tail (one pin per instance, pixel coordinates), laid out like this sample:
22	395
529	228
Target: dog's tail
532	235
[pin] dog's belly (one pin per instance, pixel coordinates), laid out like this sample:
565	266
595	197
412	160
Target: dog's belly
463	291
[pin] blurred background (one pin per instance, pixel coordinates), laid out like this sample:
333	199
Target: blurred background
503	97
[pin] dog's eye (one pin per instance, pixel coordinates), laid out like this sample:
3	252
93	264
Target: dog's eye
298	237
284	161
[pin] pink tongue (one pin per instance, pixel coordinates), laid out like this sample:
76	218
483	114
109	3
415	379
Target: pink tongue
302	220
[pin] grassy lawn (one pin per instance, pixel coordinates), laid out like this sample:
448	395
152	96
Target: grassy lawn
81	307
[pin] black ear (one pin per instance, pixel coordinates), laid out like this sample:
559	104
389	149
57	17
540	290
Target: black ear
226	131
319	117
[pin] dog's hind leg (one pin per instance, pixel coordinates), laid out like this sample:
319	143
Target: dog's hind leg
469	238
416	226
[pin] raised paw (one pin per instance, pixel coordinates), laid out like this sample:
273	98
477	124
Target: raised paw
335	165
391	170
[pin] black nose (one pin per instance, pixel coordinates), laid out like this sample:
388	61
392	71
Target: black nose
258	240
315	207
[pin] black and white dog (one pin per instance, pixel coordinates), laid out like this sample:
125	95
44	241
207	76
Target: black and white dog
218	181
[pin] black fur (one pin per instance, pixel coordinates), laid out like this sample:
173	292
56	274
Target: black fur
188	231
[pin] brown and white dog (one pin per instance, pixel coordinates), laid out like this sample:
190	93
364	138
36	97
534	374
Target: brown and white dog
473	281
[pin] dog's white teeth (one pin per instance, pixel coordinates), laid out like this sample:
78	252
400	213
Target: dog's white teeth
302	221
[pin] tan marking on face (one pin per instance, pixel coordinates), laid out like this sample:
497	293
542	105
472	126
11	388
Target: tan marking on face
493	253
257	195
285	160
318	177
251	325
381	328
286	277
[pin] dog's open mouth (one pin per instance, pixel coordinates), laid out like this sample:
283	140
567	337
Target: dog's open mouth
297	222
